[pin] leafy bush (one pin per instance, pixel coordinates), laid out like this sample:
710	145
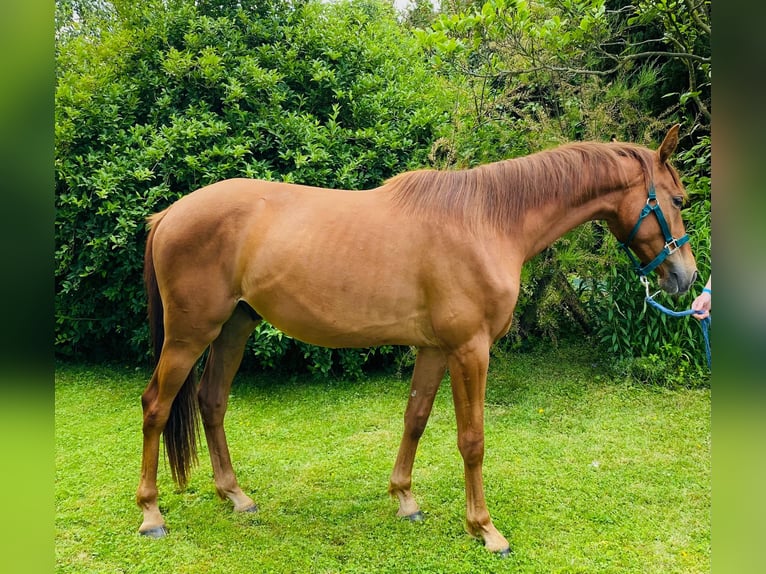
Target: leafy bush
179	95
158	98
531	75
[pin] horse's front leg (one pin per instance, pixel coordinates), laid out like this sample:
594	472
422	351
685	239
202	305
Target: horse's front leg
430	365
468	374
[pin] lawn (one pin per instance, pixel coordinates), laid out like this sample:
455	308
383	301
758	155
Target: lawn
582	474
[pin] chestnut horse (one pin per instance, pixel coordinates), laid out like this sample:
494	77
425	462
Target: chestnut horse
431	259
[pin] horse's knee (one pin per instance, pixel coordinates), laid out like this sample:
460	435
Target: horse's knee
471	446
416	426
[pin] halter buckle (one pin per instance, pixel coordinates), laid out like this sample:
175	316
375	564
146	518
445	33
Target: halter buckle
672	246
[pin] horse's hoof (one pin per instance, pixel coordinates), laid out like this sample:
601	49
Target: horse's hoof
415	516
505	553
156	532
250	509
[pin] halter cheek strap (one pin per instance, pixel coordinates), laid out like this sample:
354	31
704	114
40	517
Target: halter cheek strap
671	243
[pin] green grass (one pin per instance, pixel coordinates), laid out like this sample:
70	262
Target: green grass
582	474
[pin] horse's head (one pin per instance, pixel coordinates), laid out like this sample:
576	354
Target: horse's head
649	222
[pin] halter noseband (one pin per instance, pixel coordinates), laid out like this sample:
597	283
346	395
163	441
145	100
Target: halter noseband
671	244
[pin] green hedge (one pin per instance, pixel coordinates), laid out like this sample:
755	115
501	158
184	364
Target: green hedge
171	99
161	98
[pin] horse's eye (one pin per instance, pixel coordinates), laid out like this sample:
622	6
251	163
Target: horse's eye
678	201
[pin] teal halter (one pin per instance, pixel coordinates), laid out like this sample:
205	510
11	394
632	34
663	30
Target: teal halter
671	243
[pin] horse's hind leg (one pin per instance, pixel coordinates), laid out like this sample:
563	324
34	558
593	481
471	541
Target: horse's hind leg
173	368
430	366
222	364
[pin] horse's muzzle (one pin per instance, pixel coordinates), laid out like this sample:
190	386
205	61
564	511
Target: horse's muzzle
677	282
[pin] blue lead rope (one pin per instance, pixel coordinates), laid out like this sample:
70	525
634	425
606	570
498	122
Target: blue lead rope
704	323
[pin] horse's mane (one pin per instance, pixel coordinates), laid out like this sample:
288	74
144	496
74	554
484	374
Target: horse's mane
498	194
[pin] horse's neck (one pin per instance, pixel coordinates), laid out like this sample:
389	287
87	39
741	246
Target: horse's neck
542	226
595	188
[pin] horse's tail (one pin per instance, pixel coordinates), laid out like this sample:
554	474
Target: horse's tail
154	299
182	428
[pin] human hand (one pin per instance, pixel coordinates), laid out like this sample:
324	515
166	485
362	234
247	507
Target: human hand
702	303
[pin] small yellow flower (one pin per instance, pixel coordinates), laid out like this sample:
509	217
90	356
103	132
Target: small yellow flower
540	411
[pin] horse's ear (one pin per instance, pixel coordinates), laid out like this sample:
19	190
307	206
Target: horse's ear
669	143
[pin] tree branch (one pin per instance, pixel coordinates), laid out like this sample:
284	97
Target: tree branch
684	55
621	60
697	18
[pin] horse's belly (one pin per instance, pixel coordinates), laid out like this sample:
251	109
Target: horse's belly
333	321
